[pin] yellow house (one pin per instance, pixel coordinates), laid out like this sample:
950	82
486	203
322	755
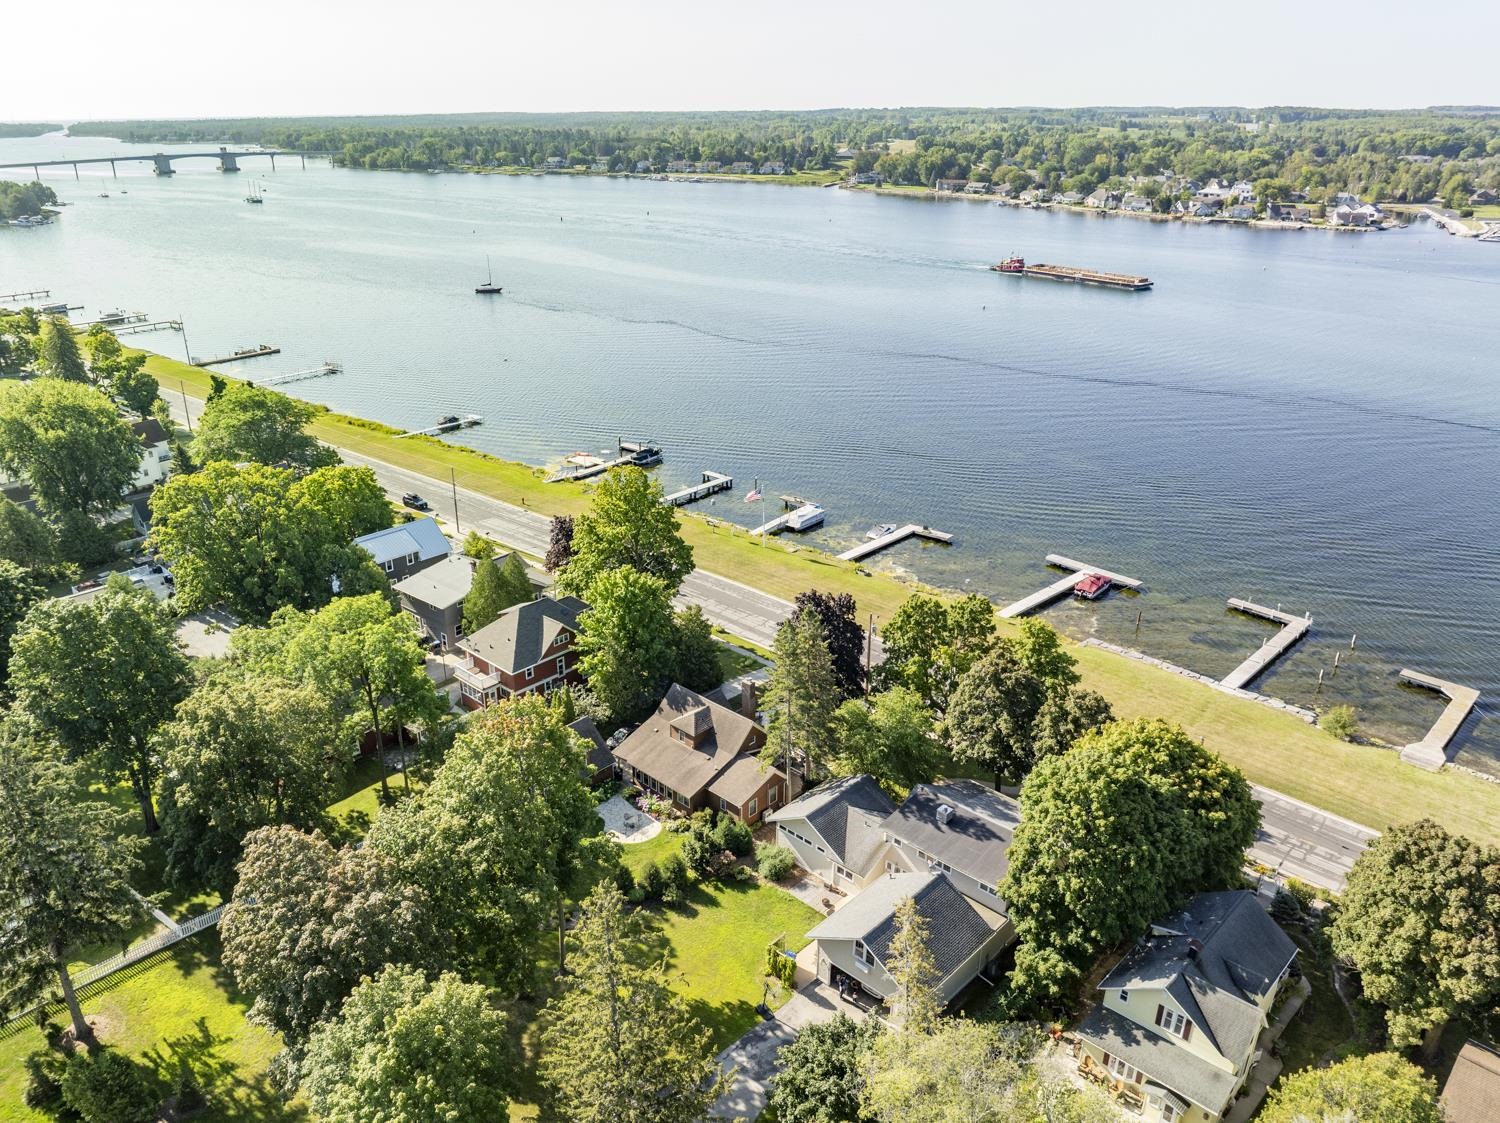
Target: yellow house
1182	1014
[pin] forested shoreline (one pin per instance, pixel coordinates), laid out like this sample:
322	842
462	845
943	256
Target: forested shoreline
1401	156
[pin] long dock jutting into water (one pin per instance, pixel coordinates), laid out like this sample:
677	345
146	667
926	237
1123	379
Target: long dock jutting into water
713	483
900	534
247	353
1431	752
1293	628
1064	586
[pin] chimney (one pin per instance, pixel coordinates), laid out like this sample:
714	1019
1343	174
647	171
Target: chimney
747	700
944	813
1195	946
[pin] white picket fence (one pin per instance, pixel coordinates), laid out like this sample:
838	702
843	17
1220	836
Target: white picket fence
136	952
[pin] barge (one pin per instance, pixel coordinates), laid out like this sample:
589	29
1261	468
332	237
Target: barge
1017	267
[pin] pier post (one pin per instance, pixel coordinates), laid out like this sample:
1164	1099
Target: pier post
76	176
304	163
1352	638
114	171
458	527
273	161
36	173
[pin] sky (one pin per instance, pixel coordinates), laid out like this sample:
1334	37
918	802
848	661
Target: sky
212	58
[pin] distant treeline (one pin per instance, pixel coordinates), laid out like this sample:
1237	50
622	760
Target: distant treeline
26	128
17	199
1406	156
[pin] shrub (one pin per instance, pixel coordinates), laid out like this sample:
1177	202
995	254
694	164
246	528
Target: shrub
652	881
1285	907
675	871
698	849
734	836
742	874
774	862
674	895
1340	722
44	1074
781	967
624	880
108	1087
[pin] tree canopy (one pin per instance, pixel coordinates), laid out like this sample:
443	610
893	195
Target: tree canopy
1114	834
991	713
930	643
618	1044
627	641
801	695
497	585
626	525
844	636
19	591
891	737
69	442
65	871
411	1051
1379	1086
1420	920
103	675
58	353
248	422
819	1078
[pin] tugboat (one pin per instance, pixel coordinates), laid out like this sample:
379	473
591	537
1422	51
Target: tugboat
1011	265
489	286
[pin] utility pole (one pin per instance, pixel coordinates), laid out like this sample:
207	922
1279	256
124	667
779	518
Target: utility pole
185	350
869	653
458	527
186	409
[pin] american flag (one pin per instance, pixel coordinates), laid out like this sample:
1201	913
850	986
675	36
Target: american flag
752	496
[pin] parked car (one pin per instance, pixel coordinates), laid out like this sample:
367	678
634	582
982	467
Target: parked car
415	502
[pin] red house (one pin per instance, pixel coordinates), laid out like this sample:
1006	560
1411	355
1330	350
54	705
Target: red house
526	649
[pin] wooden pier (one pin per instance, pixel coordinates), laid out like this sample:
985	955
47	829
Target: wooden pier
1293	628
1062	587
328	367
1431	752
248	353
713	483
789	503
900	534
641	454
115	323
468	421
148	325
10	297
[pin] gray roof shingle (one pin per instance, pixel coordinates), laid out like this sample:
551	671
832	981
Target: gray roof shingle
847	814
522	635
684	768
1169	1065
956	929
976	837
443	585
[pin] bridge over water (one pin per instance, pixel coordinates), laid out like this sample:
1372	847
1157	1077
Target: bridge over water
162	161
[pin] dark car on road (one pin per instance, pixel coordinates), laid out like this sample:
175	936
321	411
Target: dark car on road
415	502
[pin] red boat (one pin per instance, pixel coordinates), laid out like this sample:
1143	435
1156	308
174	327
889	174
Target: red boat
1092	586
1011	265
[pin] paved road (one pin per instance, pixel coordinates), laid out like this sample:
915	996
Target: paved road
1296	839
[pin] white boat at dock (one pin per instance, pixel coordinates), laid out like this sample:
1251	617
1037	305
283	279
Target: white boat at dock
805	517
880	530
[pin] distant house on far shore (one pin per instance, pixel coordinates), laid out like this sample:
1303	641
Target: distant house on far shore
1482	198
773	167
1071	198
1136	204
1102	199
950	186
642	166
556	162
742	167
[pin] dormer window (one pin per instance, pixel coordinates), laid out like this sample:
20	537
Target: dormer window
1174	1023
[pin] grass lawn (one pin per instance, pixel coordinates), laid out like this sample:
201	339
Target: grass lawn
735	661
174	1007
638	855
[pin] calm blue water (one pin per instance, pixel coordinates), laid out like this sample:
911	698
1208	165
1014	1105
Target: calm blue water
1306	418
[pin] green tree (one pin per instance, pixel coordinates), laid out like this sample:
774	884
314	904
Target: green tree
627	525
363	656
243	752
58	354
818	1078
845	638
307	922
1037	647
929	643
404	1049
248	422
65	872
963	1072
627	641
497	585
69	442
695	662
1113	834
618	1044
26	539
121	375
103	675
991	713
911	967
1420	921
244	537
801	695
19	591
511	799
891	737
349	500
1065	716
1379	1086
106	1086
479	547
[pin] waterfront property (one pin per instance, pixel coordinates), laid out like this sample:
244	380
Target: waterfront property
434	597
156	454
835	829
1183	1017
699	753
527	649
406	548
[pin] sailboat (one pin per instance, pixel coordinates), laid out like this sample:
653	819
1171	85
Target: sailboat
255	195
489	285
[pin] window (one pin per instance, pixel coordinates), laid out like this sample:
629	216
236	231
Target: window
750	809
1124	996
890	867
530	673
389	567
562	666
724	804
1124	1071
771	794
1174	1023
1169	1112
562	637
840	871
862	957
682	799
411	559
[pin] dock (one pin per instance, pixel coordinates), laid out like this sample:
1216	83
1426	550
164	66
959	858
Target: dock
713	483
12	297
248	353
789	503
467	421
116	322
1064	586
147	325
1431	752
1293	628
328	367
900	534
641	454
